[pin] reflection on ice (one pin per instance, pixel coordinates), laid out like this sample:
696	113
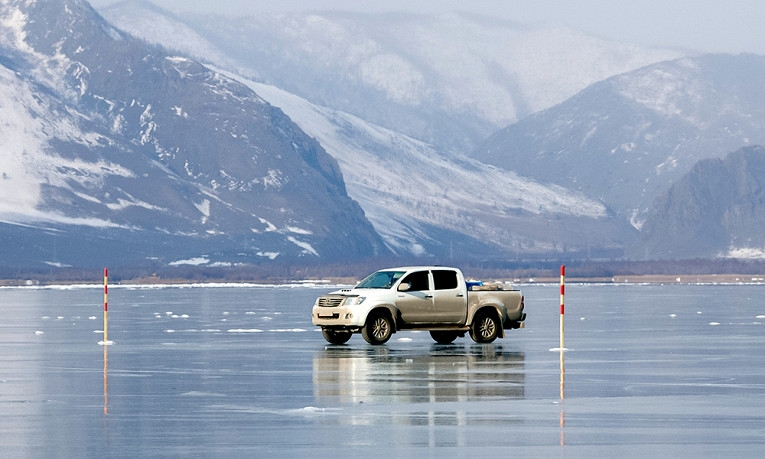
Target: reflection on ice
446	373
445	386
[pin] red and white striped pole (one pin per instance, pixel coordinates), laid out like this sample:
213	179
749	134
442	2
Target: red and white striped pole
562	349
562	307
106	305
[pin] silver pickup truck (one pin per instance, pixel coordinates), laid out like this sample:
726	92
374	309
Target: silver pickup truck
433	298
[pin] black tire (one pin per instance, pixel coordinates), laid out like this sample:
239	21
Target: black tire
485	327
378	329
443	336
336	336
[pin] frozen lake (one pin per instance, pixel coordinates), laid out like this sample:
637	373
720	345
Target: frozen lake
662	371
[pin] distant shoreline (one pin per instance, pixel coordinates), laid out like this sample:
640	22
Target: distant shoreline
727	279
679	279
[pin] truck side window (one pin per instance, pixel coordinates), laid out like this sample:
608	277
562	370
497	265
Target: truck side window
444	279
419	281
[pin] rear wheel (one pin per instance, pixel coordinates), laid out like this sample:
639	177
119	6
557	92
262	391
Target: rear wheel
378	329
443	337
336	336
485	328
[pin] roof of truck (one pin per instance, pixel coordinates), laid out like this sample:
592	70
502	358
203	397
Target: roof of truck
412	268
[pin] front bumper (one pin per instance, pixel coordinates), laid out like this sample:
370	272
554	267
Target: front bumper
336	317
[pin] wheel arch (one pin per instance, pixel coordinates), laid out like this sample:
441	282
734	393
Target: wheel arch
386	309
495	311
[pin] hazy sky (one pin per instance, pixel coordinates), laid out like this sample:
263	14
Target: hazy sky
731	26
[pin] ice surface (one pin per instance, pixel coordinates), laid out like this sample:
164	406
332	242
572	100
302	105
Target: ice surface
636	383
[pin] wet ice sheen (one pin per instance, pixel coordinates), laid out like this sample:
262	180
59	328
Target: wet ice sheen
647	374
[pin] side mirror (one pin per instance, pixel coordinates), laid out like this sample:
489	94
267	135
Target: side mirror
404	286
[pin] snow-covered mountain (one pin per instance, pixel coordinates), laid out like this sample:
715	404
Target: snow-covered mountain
339	136
394	142
715	210
425	203
449	80
627	139
113	149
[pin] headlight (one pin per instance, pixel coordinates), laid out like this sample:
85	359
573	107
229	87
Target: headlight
354	300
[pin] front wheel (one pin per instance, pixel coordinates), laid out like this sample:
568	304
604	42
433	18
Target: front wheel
336	336
378	329
485	328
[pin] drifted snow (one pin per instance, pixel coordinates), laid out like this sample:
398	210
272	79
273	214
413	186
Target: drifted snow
204	207
122	204
48	70
191	261
746	253
303	245
27	164
296	230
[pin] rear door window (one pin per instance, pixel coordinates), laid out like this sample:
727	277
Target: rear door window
444	279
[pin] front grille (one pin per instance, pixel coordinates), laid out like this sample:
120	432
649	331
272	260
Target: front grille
330	301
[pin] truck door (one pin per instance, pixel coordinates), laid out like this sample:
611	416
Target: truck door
416	303
449	300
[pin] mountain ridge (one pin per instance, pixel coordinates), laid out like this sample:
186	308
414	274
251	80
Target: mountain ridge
646	128
123	135
449	80
715	210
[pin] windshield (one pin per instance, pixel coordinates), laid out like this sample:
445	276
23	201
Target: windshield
381	279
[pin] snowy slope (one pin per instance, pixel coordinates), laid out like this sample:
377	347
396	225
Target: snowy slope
406	187
627	139
28	163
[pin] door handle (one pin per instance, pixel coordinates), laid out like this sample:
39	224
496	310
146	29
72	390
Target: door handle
459	295
428	296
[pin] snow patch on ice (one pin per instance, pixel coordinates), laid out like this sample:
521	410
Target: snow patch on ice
197	393
316	410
